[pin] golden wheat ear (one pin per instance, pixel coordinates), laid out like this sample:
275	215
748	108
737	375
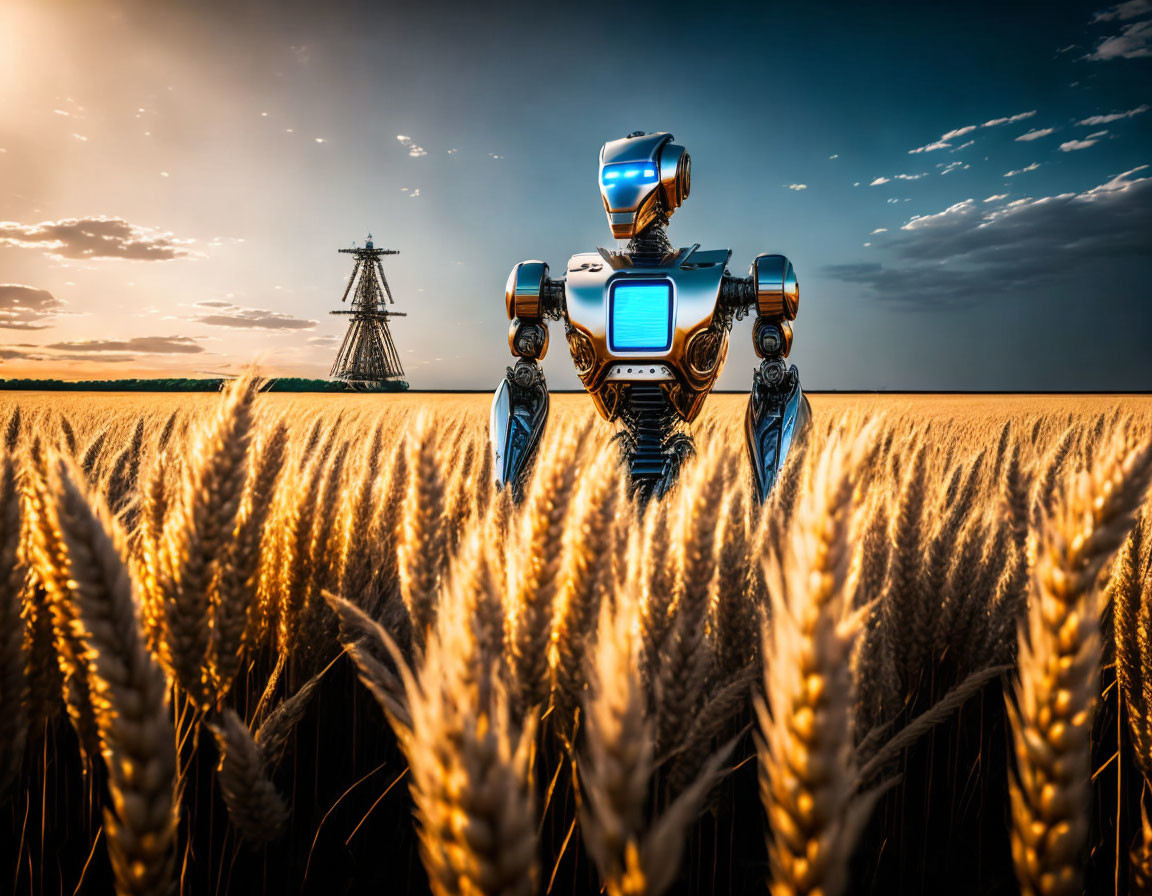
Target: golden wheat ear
13	684
1059	656
808	773
128	689
254	807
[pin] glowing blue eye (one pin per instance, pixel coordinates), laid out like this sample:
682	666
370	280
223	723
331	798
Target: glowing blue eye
643	173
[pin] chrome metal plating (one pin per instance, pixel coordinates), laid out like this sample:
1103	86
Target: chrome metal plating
643	179
516	422
695	281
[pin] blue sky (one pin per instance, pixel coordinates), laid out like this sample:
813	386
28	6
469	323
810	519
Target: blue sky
174	184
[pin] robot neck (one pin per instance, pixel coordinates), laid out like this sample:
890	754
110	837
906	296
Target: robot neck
651	244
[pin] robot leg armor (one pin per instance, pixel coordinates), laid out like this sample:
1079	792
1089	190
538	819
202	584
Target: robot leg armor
519	412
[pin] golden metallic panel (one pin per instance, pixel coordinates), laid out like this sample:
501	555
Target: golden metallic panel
697	352
777	291
522	293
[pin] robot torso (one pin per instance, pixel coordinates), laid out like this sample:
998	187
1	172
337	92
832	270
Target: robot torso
632	322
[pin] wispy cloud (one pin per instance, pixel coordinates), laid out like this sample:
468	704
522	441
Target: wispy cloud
796	187
959	132
225	315
94	238
997	197
150	345
1090	140
26	307
945	139
1122	12
1011	119
1094	120
415	150
1023	170
1035	134
931	147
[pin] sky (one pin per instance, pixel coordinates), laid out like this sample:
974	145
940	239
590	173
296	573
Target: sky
964	189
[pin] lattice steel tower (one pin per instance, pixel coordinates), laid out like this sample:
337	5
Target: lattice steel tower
368	355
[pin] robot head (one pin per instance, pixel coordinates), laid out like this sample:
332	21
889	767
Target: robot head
641	177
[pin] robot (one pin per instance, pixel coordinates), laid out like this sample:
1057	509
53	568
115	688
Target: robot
648	331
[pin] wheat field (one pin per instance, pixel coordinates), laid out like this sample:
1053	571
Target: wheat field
255	643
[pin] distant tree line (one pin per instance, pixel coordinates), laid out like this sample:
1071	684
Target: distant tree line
179	384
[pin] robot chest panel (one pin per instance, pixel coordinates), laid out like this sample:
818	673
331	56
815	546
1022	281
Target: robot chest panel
639	312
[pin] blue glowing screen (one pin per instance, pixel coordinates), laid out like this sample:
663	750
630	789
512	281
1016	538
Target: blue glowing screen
629	173
640	316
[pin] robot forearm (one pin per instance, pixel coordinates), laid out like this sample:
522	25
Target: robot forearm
520	405
776	406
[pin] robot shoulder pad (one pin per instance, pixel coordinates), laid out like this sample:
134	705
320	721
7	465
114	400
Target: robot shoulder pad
777	292
522	295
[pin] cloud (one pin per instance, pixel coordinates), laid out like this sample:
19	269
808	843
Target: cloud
150	345
879	181
26	307
796	187
1094	120
414	149
1090	140
951	166
880	230
1133	42
969	251
322	340
834	155
959	132
1011	119
1123	11
250	318
910	176
1026	168
1035	134
943	142
997	197
96	237
963	145
931	147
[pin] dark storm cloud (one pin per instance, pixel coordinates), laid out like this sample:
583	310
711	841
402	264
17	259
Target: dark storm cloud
970	251
26	307
153	345
95	237
251	318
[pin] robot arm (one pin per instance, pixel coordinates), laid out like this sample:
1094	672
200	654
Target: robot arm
777	407
520	405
